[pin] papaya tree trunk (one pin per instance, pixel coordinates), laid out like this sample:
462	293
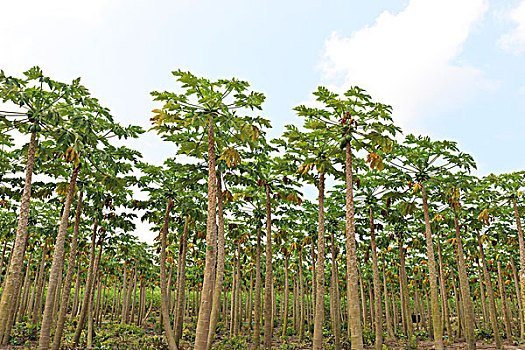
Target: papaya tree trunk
89	283
203	322
257	327
434	297
285	295
389	330
490	295
378	322
522	264
505	309
181	282
268	276
444	305
219	278
57	266
354	314
13	277
319	298
465	291
520	305
336	299
64	303
163	290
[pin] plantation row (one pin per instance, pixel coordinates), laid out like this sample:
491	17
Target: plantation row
405	248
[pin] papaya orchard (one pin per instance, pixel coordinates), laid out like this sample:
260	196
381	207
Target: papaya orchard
403	247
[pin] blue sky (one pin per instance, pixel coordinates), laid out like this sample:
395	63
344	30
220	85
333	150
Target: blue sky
451	69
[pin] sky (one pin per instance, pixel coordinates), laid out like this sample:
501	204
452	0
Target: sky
451	69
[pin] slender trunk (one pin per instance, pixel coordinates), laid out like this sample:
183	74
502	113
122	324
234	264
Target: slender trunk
134	301
257	328
378	322
394	310
64	303
57	266
285	295
89	283
74	310
445	320
335	298
301	297
90	329
219	278
490	294
354	314
434	297
233	299
238	293
124	293
37	307
91	299
250	302
522	265
459	308
27	287
203	323
389	331
181	282
503	297
129	293
314	277
319	298
268	276
405	298
163	290
465	291
13	277
520	305
484	310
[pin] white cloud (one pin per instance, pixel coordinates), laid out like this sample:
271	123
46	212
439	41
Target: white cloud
515	40
410	60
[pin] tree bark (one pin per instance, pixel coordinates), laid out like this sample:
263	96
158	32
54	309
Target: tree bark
490	294
257	327
354	314
163	290
434	297
57	266
14	273
203	323
442	289
89	283
378	322
181	282
389	330
219	278
335	297
520	305
522	264
268	276
505	309
64	303
465	291
285	295
319	298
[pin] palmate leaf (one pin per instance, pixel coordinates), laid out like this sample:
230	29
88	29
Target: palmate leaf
375	161
484	217
303	169
231	157
250	131
294	198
